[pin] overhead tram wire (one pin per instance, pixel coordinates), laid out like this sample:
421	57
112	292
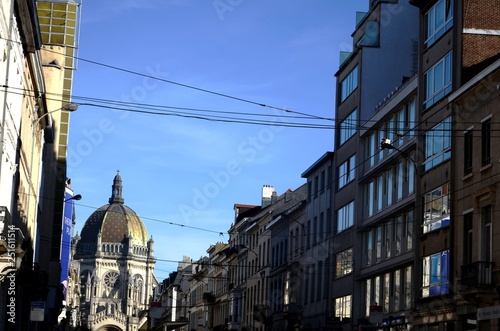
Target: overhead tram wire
185	85
161	111
241	120
201	89
416	206
231	119
168	222
218	93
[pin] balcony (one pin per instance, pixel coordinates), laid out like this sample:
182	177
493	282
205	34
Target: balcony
477	274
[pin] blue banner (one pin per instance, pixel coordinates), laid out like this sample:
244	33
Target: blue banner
67	224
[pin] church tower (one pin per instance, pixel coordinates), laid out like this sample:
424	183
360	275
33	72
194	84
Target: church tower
117	264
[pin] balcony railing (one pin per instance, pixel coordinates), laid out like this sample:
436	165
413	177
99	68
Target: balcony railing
477	274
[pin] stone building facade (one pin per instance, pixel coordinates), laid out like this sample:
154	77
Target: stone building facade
116	267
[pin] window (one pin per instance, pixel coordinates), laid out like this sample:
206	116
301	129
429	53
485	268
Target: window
438	144
368	293
315	231
321	227
346	172
348	127
438	20
343	307
399	128
349	84
345	217
468	239
397	291
409	230
438	81
344	263
388	239
468	152
437	208
372	151
486	234
380	192
329	174
412	117
378	243
486	142
435	280
308	235
390	186
387	291
316	186
408	287
369	248
391	290
376	290
323	180
410	169
399	235
370	198
399	180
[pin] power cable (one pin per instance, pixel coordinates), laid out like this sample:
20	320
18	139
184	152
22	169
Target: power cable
180	84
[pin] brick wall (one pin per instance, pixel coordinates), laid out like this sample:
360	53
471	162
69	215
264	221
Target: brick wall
477	48
481	14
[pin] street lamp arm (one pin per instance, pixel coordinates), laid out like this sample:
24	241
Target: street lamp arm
68	107
386	143
75	197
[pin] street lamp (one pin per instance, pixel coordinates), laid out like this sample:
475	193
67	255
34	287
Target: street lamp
76	197
386	143
71	107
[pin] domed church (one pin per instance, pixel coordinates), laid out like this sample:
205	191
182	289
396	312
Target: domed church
116	267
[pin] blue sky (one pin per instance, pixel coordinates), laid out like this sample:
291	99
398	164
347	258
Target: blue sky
187	171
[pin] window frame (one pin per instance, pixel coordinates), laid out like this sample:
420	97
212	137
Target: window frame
347	220
343	307
346	172
436	274
343	263
349	84
445	217
348	127
432	31
468	151
435	156
432	93
486	141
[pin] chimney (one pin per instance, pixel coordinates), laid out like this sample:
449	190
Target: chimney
267	195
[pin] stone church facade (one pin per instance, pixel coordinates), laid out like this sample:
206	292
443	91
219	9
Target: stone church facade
116	267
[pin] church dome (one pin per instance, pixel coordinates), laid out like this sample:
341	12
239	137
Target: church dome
115	222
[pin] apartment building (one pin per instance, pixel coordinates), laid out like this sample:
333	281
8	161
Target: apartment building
384	57
258	261
475	179
387	179
34	129
457	40
311	261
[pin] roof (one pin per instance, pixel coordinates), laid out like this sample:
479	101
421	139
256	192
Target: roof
324	158
115	221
